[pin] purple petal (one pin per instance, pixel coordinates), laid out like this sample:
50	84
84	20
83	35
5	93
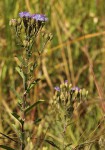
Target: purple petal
39	17
75	88
57	88
24	14
66	81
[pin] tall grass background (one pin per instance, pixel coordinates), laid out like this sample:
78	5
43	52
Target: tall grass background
76	54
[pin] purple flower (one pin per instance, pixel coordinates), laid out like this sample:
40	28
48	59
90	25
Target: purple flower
57	88
39	17
24	14
75	88
66	81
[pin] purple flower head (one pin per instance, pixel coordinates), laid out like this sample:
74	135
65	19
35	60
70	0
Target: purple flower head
57	88
24	14
75	88
39	17
66	81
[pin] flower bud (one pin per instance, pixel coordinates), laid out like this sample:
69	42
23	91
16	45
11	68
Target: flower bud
20	27
32	21
46	36
62	86
19	21
43	34
25	43
87	93
50	36
62	96
13	22
84	93
70	85
76	93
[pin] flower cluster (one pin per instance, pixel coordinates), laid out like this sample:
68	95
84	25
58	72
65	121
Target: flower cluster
66	95
30	20
27	28
37	17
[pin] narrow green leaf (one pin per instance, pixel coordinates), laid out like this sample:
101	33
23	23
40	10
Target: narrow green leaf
21	60
52	143
32	85
17	117
16	94
33	67
68	145
20	72
16	130
6	147
33	105
37	120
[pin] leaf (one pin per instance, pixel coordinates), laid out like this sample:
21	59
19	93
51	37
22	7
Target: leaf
52	143
32	85
3	74
68	145
16	94
16	130
21	60
33	105
37	120
20	72
33	66
6	147
8	137
17	117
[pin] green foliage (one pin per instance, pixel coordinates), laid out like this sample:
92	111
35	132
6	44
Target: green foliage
19	70
17	117
32	85
37	121
52	144
33	105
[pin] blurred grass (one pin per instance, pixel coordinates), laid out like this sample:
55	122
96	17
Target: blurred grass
79	29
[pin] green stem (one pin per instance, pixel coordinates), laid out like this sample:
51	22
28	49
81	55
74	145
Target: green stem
64	130
24	106
22	127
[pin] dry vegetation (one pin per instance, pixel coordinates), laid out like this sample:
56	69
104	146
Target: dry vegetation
76	54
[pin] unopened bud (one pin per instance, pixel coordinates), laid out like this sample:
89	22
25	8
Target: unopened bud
62	96
83	92
30	42
13	22
50	36
76	93
25	43
87	93
70	85
19	21
32	21
62	86
46	36
43	34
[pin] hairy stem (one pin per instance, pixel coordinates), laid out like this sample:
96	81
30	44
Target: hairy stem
23	118
25	84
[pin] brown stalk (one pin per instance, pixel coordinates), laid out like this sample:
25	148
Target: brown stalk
99	89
